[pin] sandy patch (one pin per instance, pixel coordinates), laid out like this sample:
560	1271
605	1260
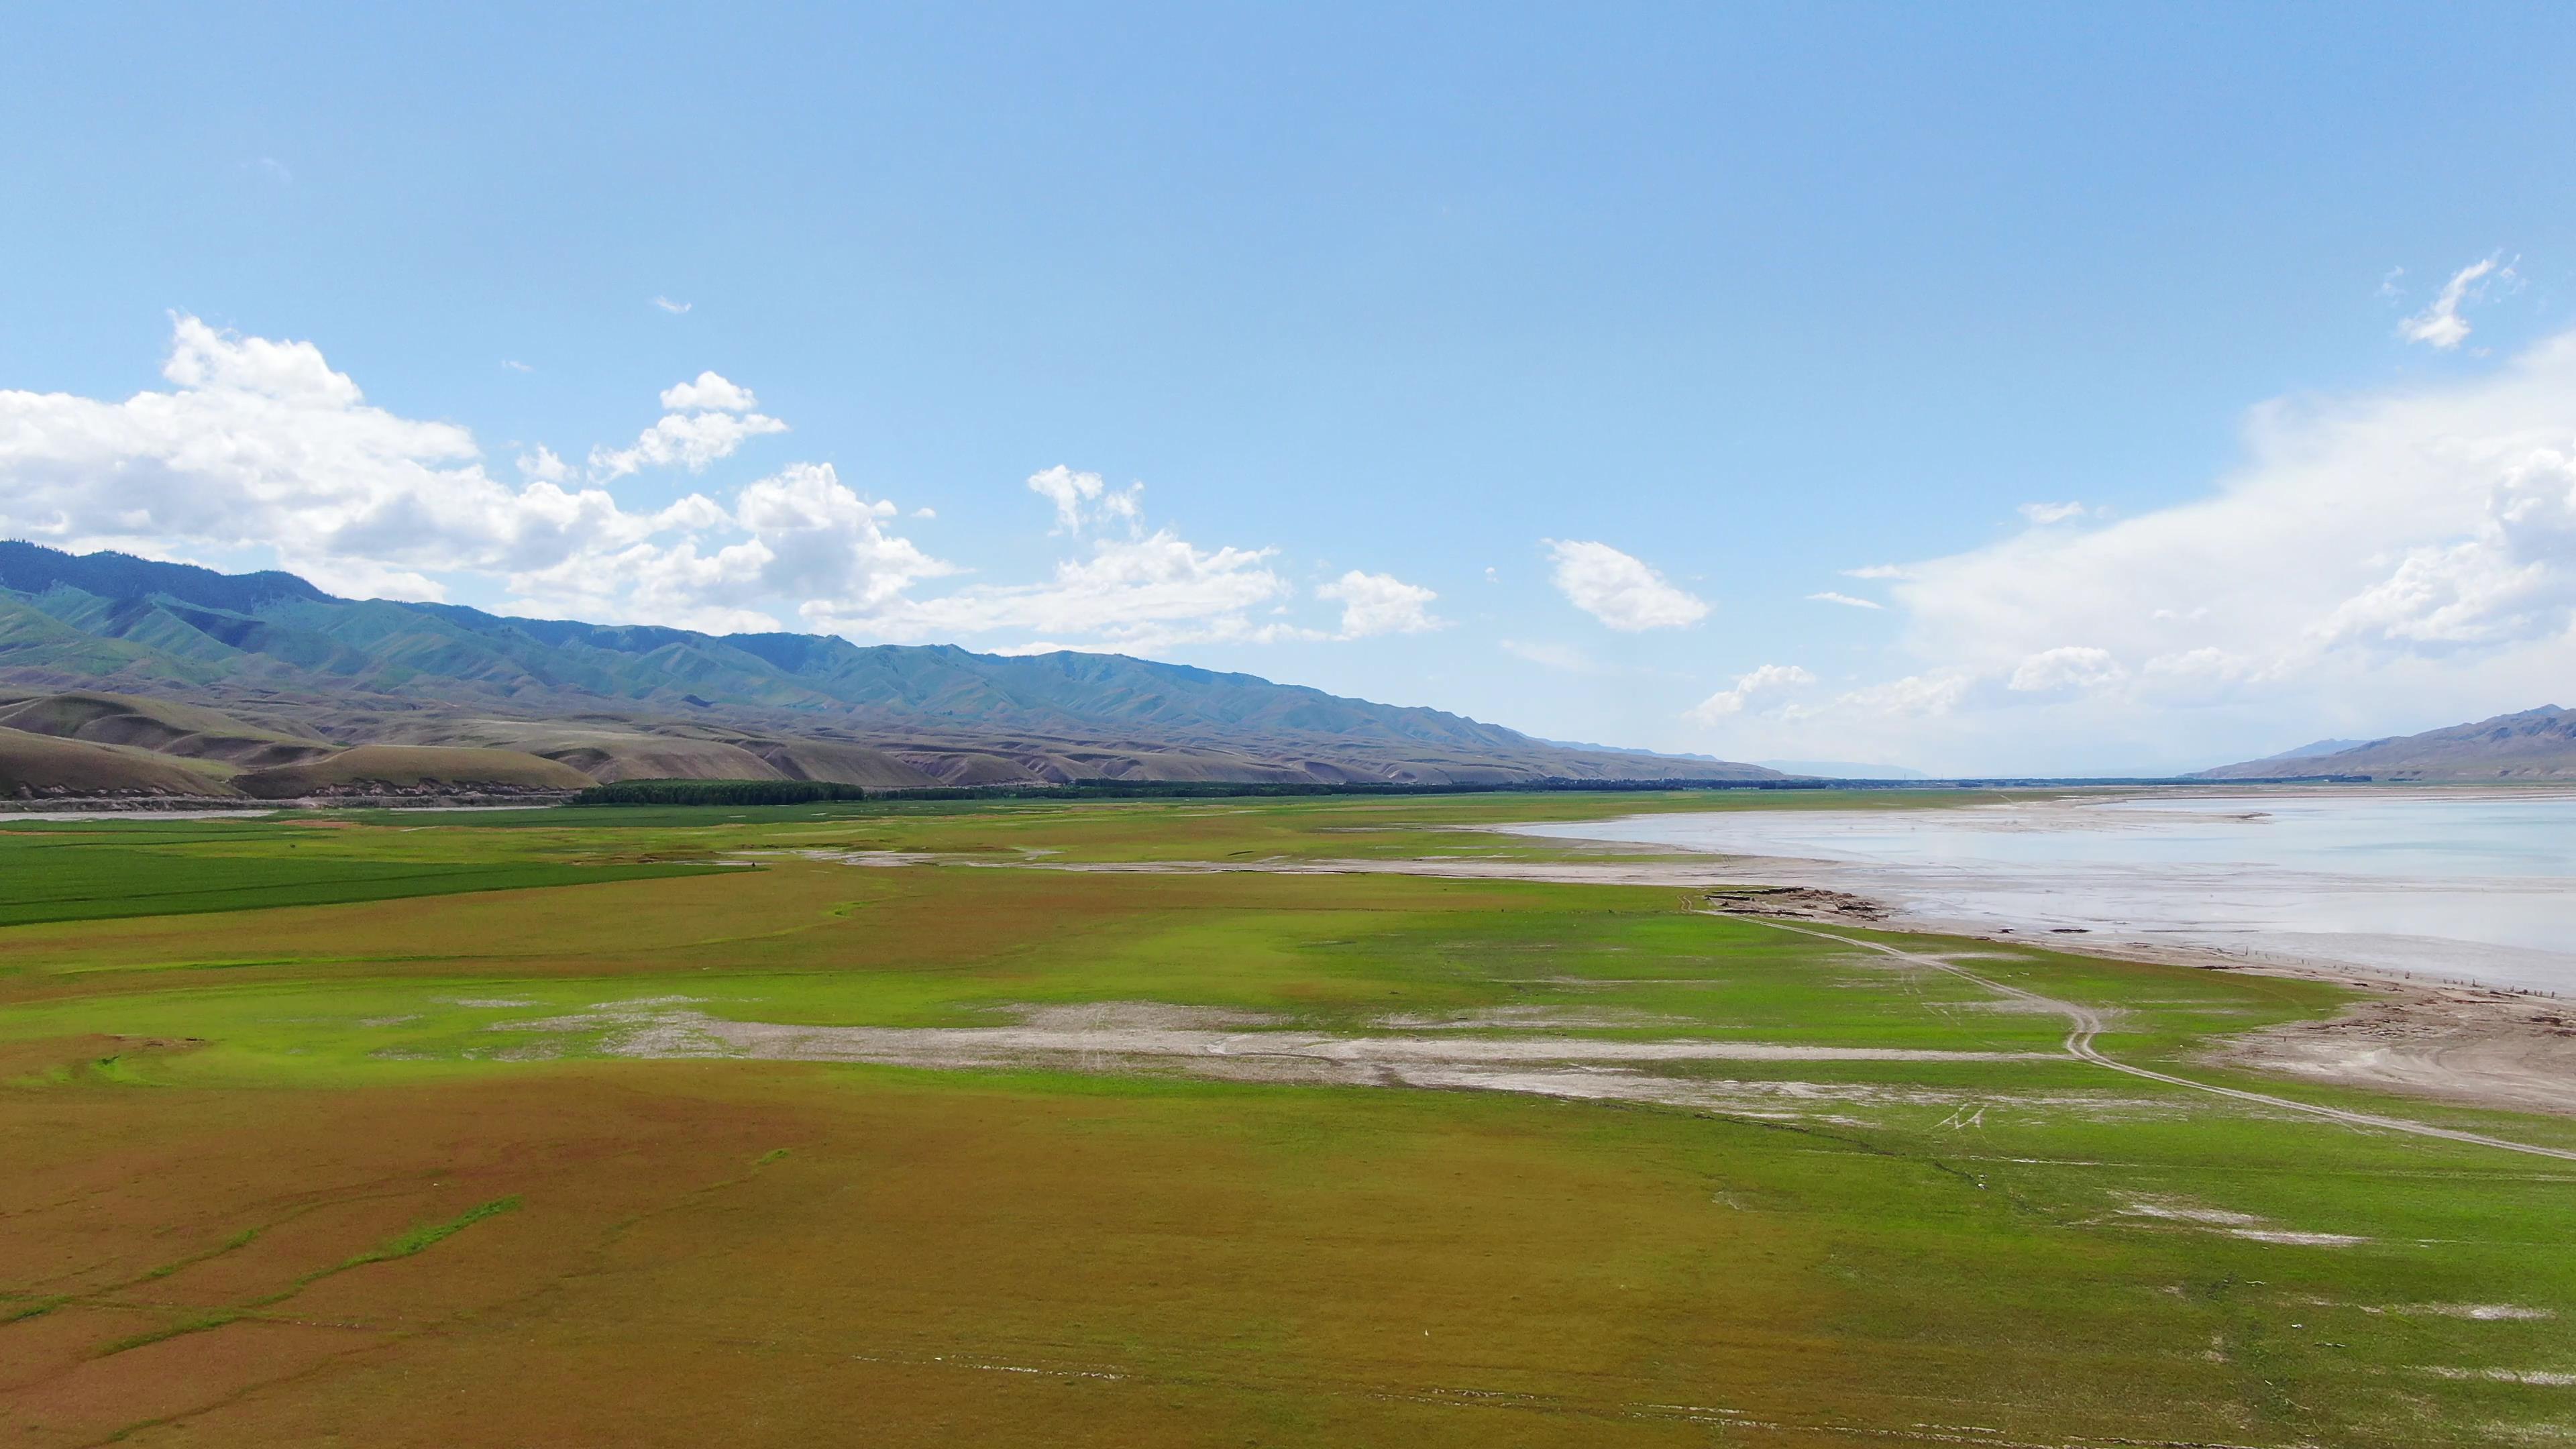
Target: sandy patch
2309	1240
2172	1210
1097	1016
1150	1037
2543	1378
2462	1044
2234	1224
1533	1018
1037	1041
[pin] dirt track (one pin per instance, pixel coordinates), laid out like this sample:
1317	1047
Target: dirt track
2086	1024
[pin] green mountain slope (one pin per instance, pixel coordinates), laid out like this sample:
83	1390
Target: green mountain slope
800	706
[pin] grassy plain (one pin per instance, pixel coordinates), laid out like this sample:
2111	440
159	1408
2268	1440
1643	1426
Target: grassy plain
348	1156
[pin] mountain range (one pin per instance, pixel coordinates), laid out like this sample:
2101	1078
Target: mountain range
240	674
2537	744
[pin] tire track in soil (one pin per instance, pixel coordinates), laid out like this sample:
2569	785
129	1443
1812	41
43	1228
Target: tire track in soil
2085	1024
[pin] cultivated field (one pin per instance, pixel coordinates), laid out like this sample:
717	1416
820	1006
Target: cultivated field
904	1125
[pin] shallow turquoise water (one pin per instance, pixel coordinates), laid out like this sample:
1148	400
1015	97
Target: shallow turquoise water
2436	883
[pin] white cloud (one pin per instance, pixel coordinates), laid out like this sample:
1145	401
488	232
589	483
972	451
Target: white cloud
541	463
1846	600
2069	666
1878	571
2377	564
708	393
2044	514
357	578
691	440
259	448
1769	679
1915	694
1081	498
674	308
512	364
1381	604
1619	590
811	539
277	171
1150	592
2440	324
260	445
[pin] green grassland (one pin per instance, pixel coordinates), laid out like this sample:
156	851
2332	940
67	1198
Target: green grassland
258	1156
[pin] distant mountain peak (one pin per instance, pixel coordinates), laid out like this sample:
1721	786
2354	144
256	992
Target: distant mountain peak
2532	744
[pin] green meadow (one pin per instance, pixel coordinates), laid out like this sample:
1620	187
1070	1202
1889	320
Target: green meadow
356	1129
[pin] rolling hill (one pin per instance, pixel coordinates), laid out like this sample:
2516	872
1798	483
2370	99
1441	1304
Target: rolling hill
2537	744
34	766
265	670
385	769
160	726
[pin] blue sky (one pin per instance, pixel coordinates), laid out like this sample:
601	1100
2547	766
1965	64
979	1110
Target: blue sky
1593	343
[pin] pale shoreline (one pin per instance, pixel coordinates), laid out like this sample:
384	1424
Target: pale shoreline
2475	1043
2489	916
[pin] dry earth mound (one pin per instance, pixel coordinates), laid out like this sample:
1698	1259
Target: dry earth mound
34	766
372	769
160	725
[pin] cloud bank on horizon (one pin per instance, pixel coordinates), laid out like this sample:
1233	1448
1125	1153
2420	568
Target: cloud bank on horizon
261	450
2371	552
2375	556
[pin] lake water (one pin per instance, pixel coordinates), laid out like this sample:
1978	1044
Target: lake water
2446	884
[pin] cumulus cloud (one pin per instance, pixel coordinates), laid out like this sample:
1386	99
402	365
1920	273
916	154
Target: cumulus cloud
1913	695
1151	592
260	447
260	444
710	419
2440	325
2378	563
1619	590
811	538
1381	604
1769	679
1081	498
710	392
2069	666
541	463
1846	600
